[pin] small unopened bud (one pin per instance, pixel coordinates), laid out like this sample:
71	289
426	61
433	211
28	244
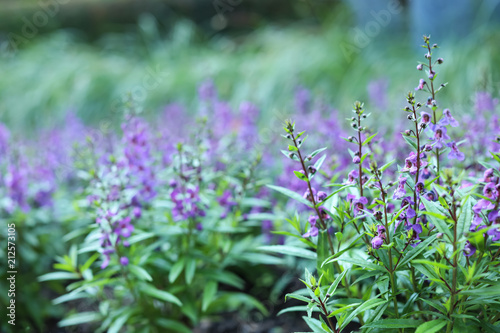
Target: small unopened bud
420	67
434	46
439	235
299	141
419	104
288	136
354	125
311	169
407	108
322	195
407	132
410	117
328	295
440	61
431	76
356	160
427	55
351	138
291	155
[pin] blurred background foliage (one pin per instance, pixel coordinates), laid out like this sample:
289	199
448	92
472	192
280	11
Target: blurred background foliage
87	55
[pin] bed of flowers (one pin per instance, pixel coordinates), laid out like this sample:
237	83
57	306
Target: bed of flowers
165	223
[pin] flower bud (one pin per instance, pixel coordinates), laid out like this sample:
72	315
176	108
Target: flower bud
356	160
428	147
351	138
322	195
407	132
440	235
312	170
420	67
440	61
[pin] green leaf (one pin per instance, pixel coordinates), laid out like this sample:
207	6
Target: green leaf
291	194
173	325
190	270
360	263
159	294
319	162
431	263
394	323
298	297
322	252
58	276
465	218
371	303
70	297
431	326
176	270
438	222
300	175
140	237
315	325
89	262
414	252
140	272
118	323
80	318
387	165
289	250
208	294
369	139
409	141
316	152
334	285
483	292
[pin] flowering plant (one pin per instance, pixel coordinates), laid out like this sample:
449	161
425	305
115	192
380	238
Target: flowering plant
414	248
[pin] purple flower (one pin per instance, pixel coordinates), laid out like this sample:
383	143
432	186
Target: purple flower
490	191
448	119
439	136
307	195
400	191
455	153
488	176
380	230
352	177
426	118
313	230
356	159
124	261
377	242
359	205
482	205
469	249
412	164
416	230
322	196
421	84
